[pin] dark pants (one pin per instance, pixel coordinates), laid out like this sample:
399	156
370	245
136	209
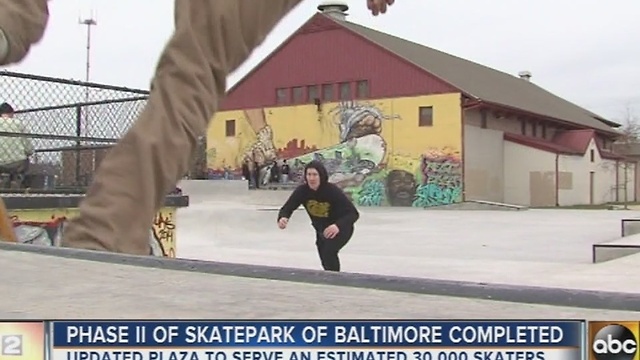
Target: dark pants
16	171
328	249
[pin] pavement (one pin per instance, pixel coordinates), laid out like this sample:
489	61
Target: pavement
548	248
63	285
401	263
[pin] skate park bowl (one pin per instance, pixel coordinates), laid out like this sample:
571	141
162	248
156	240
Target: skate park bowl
628	244
38	219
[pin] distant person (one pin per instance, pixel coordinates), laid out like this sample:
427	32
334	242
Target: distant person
284	171
274	173
14	150
332	214
246	172
256	174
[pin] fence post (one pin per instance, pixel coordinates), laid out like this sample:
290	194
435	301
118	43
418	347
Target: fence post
78	143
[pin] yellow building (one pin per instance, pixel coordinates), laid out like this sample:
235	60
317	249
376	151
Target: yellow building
399	123
400	151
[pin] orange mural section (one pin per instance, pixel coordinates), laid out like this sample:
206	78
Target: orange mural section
387	152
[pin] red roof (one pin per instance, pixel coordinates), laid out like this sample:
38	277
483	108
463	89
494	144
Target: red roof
540	144
575	139
570	142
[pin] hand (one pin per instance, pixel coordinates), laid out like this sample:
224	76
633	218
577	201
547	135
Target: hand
282	223
379	6
331	231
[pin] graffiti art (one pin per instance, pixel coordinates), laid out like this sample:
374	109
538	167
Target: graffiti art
46	228
362	159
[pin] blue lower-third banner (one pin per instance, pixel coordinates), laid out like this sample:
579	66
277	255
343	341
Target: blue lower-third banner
318	340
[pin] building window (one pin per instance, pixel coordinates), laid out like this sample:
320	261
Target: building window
298	94
363	89
345	91
534	129
230	128
312	93
425	116
281	96
523	127
327	92
592	155
544	130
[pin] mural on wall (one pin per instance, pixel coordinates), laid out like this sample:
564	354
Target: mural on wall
360	159
45	228
163	234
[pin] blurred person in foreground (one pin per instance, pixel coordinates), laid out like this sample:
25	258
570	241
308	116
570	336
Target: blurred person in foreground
211	39
14	150
333	215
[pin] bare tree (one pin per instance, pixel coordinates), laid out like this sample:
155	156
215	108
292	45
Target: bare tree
628	145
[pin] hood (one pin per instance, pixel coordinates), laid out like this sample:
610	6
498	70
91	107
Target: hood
319	166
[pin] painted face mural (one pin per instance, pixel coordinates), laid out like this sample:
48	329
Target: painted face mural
401	188
364	156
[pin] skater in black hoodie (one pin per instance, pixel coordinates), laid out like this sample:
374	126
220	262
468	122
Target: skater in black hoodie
332	214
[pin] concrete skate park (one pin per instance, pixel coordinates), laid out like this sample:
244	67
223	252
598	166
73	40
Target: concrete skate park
474	261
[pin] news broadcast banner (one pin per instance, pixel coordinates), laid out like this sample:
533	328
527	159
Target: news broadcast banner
319	340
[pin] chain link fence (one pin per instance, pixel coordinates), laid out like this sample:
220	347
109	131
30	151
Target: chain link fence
66	127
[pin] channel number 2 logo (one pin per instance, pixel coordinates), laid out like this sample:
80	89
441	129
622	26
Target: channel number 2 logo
11	345
614	342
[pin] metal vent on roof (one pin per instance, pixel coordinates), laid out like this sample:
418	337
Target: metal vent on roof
336	9
525	75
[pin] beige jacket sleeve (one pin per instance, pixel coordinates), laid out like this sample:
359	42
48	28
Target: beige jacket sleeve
212	38
22	24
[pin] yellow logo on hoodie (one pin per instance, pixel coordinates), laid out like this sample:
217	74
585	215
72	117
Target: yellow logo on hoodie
318	209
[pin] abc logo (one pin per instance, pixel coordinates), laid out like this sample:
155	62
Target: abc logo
614	342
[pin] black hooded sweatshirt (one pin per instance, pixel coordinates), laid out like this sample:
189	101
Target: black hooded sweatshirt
326	206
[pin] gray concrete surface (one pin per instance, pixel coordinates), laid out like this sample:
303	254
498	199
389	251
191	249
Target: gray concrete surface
63	288
402	263
548	248
466	289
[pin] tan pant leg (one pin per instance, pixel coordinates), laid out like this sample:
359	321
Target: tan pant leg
211	39
22	24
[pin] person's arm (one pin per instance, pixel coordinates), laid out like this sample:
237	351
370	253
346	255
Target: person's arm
342	201
294	201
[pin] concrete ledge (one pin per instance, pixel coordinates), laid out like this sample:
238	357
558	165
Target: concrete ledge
479	205
54	201
607	251
497	292
629	227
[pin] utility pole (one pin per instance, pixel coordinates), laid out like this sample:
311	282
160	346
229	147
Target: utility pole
82	123
89	23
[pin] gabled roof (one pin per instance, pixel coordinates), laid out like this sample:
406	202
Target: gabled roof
484	83
570	142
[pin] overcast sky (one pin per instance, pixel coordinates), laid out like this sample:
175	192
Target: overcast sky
587	51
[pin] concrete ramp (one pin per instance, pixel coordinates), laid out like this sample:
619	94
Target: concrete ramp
269	197
237	191
479	205
216	190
